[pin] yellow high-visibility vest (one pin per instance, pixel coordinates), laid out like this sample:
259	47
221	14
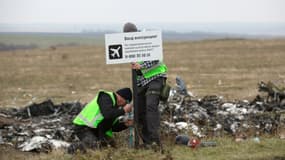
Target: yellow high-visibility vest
91	115
154	70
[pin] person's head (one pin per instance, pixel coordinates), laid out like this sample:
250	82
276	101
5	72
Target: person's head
130	27
124	96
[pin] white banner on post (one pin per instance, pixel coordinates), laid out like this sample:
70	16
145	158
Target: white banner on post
133	47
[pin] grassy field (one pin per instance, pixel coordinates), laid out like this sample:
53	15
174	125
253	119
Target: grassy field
45	40
267	149
228	68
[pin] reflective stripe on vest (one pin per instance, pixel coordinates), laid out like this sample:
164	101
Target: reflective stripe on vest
154	70
91	115
92	122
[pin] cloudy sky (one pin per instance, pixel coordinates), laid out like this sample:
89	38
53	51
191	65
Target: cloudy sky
118	11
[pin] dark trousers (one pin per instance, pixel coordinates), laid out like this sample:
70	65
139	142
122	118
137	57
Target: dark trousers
148	112
88	136
92	137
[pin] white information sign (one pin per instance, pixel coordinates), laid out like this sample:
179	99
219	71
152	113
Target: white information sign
133	47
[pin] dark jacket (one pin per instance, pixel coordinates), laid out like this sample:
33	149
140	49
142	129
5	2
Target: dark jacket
110	113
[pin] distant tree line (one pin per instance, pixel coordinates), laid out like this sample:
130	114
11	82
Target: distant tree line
10	47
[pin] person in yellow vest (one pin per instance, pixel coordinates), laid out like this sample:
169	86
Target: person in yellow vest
151	75
98	120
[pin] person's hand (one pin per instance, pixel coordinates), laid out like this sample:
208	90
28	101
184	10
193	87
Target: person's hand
129	122
128	108
135	65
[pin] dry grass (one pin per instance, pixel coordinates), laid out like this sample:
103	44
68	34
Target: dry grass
229	68
267	149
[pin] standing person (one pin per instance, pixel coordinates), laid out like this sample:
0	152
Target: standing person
151	75
99	118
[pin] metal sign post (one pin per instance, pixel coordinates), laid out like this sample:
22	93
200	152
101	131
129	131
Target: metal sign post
133	47
135	104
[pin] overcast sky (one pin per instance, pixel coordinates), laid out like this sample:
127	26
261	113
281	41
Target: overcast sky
120	11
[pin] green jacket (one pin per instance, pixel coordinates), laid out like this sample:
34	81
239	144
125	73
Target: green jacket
154	70
91	115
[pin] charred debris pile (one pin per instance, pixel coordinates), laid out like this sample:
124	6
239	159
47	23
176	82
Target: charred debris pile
45	126
39	127
212	116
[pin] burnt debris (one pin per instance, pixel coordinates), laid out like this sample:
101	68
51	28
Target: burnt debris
274	93
212	116
44	126
39	127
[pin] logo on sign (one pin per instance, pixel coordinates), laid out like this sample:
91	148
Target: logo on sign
116	51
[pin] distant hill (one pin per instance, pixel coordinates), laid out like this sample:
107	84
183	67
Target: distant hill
243	28
172	36
28	40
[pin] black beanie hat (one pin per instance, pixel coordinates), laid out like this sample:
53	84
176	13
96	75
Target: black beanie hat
130	27
126	93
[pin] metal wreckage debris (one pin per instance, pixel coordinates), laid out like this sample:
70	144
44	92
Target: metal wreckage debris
39	127
211	116
46	126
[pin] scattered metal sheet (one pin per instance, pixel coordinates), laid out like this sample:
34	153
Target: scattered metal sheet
46	126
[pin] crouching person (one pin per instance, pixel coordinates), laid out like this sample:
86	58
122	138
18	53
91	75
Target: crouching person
95	124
